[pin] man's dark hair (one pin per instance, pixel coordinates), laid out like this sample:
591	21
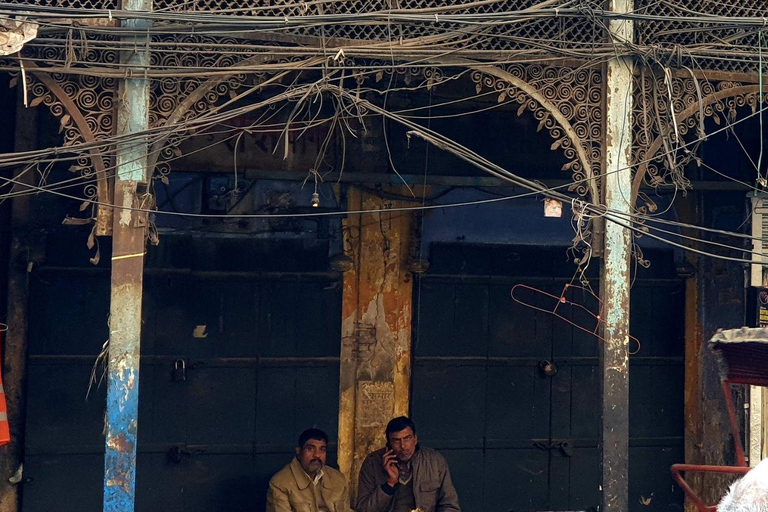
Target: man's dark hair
398	424
312	433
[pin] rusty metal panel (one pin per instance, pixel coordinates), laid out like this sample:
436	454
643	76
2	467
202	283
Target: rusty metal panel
575	412
503	401
171	301
583	417
205	481
61	326
159	482
220	405
224	316
465	466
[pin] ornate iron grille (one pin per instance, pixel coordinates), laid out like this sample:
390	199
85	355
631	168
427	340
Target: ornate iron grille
540	36
72	4
701	45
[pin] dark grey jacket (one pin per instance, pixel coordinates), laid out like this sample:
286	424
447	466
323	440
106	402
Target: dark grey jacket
432	486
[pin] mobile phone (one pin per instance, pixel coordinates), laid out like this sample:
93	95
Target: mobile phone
388	447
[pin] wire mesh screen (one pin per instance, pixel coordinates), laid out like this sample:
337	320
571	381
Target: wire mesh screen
694	42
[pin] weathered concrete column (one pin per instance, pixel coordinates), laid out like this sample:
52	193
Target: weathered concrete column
128	246
376	329
614	283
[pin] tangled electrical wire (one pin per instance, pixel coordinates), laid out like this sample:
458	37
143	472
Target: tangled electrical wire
418	34
491	32
349	106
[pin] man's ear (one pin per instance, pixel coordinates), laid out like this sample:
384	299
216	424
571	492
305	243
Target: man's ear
297	450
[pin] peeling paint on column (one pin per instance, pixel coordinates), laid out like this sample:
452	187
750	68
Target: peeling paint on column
120	458
347	362
128	193
614	286
376	330
123	374
128	246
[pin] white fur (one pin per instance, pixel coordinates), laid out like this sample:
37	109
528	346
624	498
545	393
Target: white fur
748	494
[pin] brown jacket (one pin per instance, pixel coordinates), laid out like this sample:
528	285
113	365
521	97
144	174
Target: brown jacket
290	490
432	486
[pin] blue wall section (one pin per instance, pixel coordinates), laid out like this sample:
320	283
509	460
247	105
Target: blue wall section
518	221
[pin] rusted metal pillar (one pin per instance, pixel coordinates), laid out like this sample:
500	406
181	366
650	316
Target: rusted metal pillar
128	246
687	211
614	283
14	355
376	328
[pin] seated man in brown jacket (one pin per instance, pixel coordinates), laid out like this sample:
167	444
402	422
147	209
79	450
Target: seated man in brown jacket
404	476
307	484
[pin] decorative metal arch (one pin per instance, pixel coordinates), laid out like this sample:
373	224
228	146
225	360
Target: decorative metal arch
691	101
85	107
80	123
203	97
567	102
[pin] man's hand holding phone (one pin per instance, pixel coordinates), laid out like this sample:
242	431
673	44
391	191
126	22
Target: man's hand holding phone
389	461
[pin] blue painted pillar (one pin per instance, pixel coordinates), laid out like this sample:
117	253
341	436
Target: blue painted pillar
614	282
129	232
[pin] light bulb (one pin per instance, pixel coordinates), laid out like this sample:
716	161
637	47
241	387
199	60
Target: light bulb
315	200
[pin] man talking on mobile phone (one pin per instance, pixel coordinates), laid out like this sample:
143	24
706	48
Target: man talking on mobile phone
405	477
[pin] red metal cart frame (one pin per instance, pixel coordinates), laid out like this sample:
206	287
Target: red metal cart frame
743	358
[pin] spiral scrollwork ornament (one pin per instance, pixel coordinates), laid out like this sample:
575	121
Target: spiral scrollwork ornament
668	110
575	94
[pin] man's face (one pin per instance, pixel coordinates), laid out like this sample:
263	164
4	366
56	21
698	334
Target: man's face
312	456
403	443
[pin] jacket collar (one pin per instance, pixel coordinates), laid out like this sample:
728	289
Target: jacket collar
302	478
